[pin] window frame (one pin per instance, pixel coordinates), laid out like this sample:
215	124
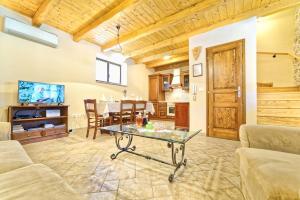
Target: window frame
107	77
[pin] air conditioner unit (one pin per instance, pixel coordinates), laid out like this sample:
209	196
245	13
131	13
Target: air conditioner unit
28	32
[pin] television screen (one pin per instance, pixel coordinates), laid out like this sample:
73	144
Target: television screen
32	92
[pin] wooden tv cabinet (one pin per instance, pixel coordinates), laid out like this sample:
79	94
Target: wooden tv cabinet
33	119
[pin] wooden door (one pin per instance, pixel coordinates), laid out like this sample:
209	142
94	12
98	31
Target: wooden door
153	88
182	118
225	88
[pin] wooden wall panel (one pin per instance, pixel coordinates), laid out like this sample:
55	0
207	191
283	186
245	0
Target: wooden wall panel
278	107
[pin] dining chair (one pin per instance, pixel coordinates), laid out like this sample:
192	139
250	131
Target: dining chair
126	114
94	119
139	107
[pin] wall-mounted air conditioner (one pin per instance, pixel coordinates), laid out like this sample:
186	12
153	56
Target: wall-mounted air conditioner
28	32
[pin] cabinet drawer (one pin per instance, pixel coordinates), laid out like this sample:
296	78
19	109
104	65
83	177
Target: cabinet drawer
163	114
53	131
26	135
162	105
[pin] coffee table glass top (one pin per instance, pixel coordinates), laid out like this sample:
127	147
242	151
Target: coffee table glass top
159	133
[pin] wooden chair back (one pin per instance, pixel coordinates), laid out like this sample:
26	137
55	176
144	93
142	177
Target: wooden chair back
140	106
127	106
91	108
127	109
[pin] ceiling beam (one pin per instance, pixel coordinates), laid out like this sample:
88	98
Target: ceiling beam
172	66
161	55
167	62
101	19
260	12
41	12
164	23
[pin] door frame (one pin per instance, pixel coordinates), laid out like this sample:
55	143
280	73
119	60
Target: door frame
243	85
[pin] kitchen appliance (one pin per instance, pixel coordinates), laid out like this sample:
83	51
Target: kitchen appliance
170	109
176	83
28	32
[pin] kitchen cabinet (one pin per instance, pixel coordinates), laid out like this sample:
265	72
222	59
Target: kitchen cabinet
156	92
182	118
167	81
160	111
185	80
162	107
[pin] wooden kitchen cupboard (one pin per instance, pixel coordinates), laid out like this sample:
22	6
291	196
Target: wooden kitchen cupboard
182	115
156	92
162	107
166	82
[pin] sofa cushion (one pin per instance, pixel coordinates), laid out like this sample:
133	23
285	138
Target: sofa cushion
35	182
12	156
5	131
269	174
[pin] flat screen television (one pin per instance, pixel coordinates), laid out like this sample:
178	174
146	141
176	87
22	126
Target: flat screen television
40	93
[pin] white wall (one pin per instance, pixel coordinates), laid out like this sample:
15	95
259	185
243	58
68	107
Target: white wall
276	33
237	31
71	64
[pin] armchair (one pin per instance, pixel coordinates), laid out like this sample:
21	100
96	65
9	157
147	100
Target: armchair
5	131
269	162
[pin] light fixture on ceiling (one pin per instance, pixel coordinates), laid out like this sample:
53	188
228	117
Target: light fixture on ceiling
118	38
167	57
118	52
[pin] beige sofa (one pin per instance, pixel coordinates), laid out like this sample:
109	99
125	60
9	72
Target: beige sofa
269	162
21	179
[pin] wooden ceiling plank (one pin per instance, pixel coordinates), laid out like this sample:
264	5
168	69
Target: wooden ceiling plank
168	21
170	61
161	55
263	11
100	20
172	66
41	12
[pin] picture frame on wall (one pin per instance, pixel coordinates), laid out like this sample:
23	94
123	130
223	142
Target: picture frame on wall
197	70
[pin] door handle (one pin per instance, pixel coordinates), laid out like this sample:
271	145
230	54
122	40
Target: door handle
239	91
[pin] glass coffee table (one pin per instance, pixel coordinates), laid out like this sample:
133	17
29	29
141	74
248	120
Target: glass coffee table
175	139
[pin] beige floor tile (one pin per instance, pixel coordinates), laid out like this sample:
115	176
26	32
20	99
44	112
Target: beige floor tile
161	191
101	196
110	185
211	173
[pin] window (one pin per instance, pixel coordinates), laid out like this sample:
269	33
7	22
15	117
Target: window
110	72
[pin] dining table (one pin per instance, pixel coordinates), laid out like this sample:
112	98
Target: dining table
106	107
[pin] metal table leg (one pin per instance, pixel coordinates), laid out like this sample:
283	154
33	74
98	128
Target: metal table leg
174	152
126	148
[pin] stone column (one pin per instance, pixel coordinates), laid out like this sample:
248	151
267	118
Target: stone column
297	49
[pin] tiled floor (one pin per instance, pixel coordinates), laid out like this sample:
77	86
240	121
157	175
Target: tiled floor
211	171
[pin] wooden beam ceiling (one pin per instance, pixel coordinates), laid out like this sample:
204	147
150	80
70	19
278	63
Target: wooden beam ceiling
172	66
166	62
260	12
161	55
42	11
100	20
164	23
